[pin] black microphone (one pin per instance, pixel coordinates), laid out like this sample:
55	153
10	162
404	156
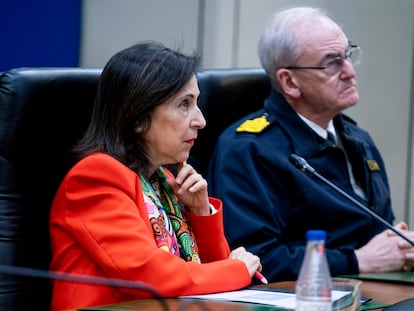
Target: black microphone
304	166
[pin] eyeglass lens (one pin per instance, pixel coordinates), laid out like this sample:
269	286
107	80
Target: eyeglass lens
354	53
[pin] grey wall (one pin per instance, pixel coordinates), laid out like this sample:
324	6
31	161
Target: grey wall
226	34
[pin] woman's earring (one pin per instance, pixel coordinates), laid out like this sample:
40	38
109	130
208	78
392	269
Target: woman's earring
138	130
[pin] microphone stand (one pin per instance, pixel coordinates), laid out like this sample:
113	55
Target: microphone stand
303	165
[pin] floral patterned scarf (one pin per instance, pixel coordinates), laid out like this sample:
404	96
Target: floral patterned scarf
171	231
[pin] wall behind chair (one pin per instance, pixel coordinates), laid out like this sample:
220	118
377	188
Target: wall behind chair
39	33
110	25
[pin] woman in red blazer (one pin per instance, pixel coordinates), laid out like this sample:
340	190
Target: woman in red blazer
120	214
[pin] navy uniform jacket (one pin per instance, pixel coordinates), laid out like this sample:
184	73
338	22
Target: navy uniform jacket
269	204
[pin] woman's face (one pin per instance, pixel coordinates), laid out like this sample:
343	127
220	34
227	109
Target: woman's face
174	126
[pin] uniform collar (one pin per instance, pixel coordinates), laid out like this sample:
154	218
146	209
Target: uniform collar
318	129
304	137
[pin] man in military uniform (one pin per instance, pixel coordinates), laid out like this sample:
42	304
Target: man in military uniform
268	203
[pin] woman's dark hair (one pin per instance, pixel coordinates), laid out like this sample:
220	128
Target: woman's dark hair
133	82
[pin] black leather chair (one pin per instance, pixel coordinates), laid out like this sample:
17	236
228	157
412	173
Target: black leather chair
43	111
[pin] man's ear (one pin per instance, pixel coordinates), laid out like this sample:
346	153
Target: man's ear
288	82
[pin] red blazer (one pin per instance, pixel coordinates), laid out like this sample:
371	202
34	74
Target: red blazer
99	226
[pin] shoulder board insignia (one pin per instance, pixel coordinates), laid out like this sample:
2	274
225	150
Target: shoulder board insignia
373	165
253	126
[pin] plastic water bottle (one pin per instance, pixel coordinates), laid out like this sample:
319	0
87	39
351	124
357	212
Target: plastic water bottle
314	285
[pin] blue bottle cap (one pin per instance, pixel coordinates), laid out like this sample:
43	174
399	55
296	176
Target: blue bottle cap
316	235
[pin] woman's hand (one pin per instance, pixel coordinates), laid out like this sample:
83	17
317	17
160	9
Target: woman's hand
251	261
191	189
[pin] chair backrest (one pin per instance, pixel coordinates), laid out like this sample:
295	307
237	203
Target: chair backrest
43	111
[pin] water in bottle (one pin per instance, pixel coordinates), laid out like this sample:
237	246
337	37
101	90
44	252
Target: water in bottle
314	285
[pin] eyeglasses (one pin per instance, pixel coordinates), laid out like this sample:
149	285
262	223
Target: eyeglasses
336	61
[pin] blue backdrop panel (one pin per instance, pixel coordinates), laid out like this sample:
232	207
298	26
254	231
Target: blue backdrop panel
38	33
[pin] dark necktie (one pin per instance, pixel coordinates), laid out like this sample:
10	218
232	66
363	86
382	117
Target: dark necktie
331	138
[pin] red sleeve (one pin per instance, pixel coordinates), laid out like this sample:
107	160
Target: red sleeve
209	233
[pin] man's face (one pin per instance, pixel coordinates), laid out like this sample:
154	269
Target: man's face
330	90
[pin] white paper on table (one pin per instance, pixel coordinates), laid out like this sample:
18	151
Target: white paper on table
273	298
